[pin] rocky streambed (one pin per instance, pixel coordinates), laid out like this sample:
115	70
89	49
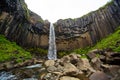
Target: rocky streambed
100	65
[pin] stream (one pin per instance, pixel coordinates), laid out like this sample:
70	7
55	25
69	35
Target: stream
25	73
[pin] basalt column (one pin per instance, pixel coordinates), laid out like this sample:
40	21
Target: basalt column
87	30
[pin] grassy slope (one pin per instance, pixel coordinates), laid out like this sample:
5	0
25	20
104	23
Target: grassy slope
11	51
112	41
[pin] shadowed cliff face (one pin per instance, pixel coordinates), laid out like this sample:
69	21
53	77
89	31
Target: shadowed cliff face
21	25
87	30
26	28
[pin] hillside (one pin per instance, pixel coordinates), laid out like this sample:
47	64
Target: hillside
111	42
11	51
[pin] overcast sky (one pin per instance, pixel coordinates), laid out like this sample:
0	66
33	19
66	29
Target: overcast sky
61	9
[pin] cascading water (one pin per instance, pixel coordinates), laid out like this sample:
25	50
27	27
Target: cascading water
7	76
17	74
52	52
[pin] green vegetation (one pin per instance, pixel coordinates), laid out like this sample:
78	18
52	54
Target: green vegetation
40	20
107	4
11	51
112	41
63	53
24	6
38	51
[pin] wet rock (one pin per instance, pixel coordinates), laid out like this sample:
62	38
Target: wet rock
50	76
92	54
69	68
111	69
99	76
51	69
96	63
72	58
49	63
85	66
112	58
2	67
8	65
66	66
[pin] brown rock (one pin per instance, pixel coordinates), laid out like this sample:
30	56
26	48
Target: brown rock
68	78
49	63
85	66
96	63
99	76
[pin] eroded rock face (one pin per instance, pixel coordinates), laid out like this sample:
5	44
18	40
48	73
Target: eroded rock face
87	30
21	25
26	28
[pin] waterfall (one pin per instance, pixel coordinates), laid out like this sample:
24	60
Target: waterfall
52	53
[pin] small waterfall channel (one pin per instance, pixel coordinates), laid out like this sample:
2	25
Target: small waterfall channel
20	73
52	52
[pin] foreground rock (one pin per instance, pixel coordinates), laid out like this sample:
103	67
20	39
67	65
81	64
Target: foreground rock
99	76
73	67
69	67
12	65
107	62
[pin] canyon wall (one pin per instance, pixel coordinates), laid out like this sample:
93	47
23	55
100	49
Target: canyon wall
21	25
27	29
88	29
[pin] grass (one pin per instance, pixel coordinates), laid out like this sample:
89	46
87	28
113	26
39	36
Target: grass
112	41
38	51
11	51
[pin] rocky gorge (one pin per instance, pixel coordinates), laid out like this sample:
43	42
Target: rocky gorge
29	30
32	31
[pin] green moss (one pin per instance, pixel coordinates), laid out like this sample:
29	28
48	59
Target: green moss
62	53
41	21
111	41
107	4
38	51
11	51
26	10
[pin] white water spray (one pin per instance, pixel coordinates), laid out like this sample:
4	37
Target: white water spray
52	52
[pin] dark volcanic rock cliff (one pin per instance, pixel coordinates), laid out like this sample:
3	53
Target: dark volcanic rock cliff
87	30
26	28
21	25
